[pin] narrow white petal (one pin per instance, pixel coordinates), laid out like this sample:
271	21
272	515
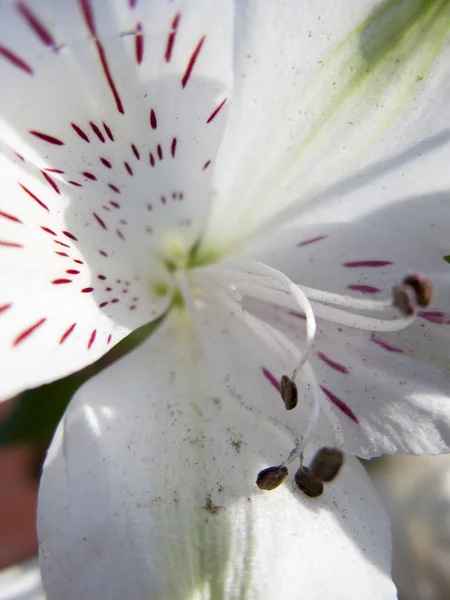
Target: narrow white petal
149	492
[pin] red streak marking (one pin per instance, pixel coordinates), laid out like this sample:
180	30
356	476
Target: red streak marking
54	171
10	217
385	346
268	375
89	176
19	156
62	254
114	188
108	76
51	182
72	271
102	304
368	263
160	152
153	121
114	300
102	277
47	138
99	220
97	132
191	63
81	133
88	16
311	241
106	163
106	207
5	307
364	289
135	151
206	165
128	168
61	244
214	113
48	230
60	281
139	44
332	364
75	183
108	131
173	147
15	60
115	204
70	235
297	314
66	334
341	405
87	290
132	3
10	244
109	339
27	332
103	253
36	25
92	338
152	159
79	262
171	38
34	197
437	317
120	234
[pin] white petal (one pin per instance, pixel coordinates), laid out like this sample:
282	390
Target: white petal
122	101
21	582
326	97
148	492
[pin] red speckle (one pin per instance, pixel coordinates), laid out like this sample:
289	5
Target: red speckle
364	289
79	262
36	25
114	188
51	182
139	44
92	339
173	147
101	222
72	271
19	156
22	336
368	263
340	404
89	176
191	63
15	60
5	307
114	300
10	217
334	365
62	254
120	234
214	113
115	204
87	290
153	121
97	132
34	197
61	281
268	375
66	334
48	230
109	339
206	165
311	241
61	244
47	138
171	38
75	183
132	3
103	304
298	315
152	159
54	171
135	151
437	317
81	133
10	244
102	277
160	152
163	199
108	131
103	253
128	168
106	163
385	346
70	235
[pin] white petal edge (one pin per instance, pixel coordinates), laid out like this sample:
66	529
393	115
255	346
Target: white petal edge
21	582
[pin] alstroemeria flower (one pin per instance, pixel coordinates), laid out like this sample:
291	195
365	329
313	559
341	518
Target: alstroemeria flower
261	176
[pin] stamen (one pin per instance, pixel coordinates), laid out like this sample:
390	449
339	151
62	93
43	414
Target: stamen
404	298
308	483
422	286
289	392
327	463
335	315
269	479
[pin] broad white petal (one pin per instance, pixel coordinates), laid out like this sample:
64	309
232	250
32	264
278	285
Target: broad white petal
109	126
148	492
329	95
21	582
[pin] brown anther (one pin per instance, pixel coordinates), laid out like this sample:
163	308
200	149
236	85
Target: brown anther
423	287
289	392
327	463
405	299
271	478
308	483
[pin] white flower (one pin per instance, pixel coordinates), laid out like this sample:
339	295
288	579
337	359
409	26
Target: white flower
233	168
21	582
